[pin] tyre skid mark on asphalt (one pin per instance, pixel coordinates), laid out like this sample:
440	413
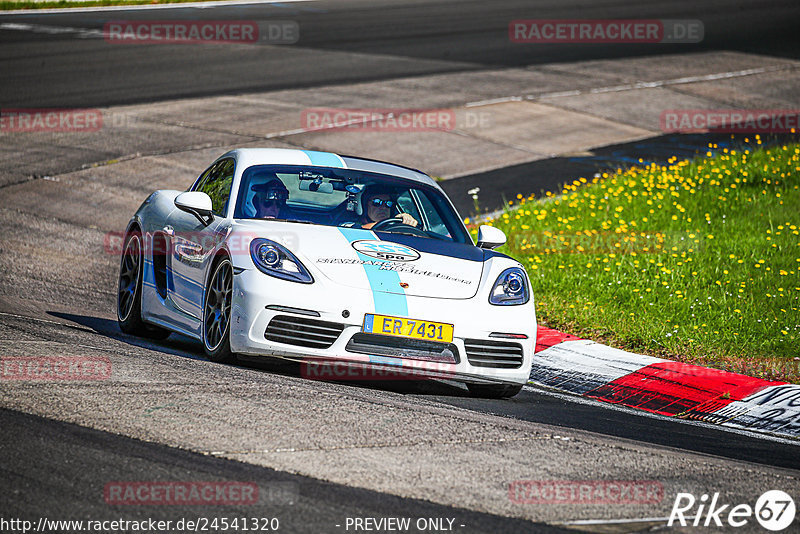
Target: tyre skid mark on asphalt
116	336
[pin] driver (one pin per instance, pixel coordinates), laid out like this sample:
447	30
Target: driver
377	204
270	199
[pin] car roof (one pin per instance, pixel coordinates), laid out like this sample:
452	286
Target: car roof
246	157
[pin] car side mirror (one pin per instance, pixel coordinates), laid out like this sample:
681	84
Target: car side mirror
490	237
197	203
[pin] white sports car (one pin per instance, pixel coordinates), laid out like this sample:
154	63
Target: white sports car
316	257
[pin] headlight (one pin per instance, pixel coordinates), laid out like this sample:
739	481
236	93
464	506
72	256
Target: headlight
273	259
510	289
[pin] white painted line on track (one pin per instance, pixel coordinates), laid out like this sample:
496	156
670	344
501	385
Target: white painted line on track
501	100
375	117
52	30
194	5
616	521
282	133
638	85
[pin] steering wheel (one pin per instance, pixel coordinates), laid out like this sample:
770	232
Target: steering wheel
387	225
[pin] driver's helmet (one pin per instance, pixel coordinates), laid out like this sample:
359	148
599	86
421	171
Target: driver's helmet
270	190
371	191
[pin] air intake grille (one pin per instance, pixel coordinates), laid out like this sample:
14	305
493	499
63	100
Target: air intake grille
497	354
303	331
415	349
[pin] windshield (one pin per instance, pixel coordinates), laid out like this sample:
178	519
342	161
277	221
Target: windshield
347	198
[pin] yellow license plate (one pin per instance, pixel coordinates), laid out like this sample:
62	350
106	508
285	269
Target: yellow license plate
404	327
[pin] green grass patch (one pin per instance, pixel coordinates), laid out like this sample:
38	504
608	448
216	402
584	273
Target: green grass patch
25	4
697	261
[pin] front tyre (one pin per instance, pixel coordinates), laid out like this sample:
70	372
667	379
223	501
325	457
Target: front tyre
129	291
494	391
217	313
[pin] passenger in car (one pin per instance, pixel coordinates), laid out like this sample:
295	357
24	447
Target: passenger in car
270	200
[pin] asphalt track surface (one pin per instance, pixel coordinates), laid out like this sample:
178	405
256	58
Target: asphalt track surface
116	431
348	41
44	472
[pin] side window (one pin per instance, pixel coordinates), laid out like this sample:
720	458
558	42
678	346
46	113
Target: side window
406	204
433	220
217	185
203	178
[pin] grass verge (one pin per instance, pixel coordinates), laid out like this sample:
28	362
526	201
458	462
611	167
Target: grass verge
697	261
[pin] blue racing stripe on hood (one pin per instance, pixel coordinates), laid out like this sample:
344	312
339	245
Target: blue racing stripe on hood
380	280
435	246
325	159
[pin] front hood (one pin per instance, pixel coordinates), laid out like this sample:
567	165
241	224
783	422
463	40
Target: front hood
382	262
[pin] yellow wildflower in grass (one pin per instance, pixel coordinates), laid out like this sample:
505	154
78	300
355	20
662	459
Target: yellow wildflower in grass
595	224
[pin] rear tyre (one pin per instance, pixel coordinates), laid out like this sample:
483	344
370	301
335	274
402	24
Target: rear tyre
217	312
494	391
129	291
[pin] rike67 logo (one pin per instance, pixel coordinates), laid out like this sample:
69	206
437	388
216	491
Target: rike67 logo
774	510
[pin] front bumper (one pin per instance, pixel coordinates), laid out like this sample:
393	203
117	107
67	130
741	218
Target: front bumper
473	319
